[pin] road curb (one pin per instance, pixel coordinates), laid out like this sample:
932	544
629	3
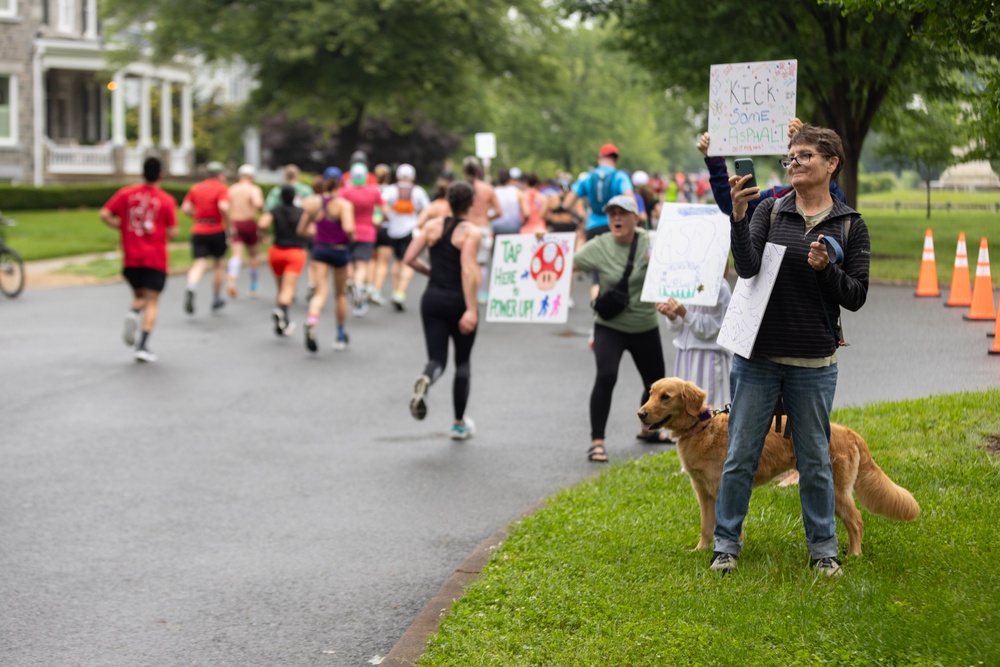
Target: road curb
411	645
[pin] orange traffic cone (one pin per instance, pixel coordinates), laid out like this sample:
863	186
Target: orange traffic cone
927	284
996	337
960	293
982	291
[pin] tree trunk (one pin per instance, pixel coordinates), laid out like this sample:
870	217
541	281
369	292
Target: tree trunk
928	182
349	135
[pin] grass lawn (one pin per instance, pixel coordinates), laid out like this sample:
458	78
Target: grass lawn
604	574
897	237
102	269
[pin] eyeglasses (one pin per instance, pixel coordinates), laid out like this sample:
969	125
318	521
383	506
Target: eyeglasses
801	159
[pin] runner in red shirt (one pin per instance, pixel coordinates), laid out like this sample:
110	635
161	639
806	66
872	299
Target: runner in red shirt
208	204
146	216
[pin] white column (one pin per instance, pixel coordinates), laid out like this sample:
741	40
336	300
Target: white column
166	111
90	30
145	127
118	111
251	147
39	131
187	126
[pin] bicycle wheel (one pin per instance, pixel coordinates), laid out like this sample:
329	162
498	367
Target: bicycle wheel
11	272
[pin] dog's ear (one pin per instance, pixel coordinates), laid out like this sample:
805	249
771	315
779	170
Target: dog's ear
694	398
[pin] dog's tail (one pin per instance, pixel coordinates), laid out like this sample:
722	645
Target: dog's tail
877	492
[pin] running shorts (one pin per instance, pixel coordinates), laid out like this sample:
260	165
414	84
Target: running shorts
246	232
286	260
141	277
208	245
337	256
362	251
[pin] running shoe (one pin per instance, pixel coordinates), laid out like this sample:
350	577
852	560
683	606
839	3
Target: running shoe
289	329
131	329
360	310
398	301
340	345
311	337
418	404
230	290
278	317
189	301
375	297
218	303
144	355
463	431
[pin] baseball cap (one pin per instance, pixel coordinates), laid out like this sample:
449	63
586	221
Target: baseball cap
624	202
359	156
515	173
359	173
607	150
639	178
246	170
332	172
213	168
406	172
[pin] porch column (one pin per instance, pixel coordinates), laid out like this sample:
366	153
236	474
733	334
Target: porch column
187	127
38	130
166	119
118	111
145	129
90	30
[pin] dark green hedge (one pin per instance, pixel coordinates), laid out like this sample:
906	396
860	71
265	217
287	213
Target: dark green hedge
91	195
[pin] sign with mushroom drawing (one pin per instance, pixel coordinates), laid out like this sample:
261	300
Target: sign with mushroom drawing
530	278
689	255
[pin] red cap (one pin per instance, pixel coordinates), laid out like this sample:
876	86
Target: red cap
607	150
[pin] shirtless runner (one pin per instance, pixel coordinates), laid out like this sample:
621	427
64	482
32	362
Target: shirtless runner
246	201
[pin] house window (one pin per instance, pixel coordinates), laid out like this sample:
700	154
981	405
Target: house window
8	109
66	15
8	8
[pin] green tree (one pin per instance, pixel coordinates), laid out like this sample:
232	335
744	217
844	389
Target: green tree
595	96
339	62
922	137
850	63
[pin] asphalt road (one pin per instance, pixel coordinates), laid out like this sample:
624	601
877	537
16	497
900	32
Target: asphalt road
243	503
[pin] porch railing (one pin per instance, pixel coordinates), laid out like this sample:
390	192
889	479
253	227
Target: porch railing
69	159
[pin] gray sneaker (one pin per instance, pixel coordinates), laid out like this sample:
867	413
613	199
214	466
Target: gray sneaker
418	406
131	329
722	562
463	431
829	566
144	355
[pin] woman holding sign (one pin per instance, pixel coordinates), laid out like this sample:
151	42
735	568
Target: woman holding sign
448	308
795	352
623	322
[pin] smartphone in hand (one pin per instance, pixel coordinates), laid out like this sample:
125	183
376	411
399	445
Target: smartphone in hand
743	166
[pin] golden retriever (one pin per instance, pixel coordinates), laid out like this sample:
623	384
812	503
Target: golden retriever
703	439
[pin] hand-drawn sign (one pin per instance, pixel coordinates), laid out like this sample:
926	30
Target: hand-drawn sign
746	309
749	107
689	255
531	278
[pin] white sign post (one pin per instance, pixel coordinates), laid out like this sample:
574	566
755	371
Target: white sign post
689	255
531	278
749	107
486	149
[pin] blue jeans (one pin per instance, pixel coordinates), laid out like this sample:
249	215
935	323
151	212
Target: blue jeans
807	394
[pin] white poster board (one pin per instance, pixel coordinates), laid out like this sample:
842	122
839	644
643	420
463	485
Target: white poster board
530	279
486	145
689	255
749	107
746	309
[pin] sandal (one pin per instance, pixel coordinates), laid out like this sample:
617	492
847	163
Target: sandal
658	437
596	454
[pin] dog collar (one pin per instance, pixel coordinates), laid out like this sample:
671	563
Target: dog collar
703	419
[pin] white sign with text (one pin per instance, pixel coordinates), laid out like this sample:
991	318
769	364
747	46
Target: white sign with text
530	278
746	309
750	106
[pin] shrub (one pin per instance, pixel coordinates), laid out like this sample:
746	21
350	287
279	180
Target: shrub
883	181
90	195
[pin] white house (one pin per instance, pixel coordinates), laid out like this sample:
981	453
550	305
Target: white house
62	109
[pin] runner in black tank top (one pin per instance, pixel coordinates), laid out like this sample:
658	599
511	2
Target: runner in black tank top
448	307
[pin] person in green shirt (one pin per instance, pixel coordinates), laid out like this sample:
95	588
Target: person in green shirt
635	329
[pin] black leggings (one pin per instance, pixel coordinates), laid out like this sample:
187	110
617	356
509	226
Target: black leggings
609	346
440	311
